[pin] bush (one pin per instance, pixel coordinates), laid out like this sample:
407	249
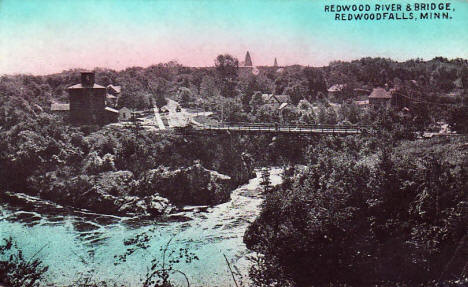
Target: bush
18	271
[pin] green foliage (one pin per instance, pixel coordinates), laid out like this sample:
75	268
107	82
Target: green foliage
184	96
297	92
208	88
458	119
160	100
389	217
16	270
227	71
163	265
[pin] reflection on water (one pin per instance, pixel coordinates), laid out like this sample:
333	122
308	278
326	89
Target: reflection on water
79	243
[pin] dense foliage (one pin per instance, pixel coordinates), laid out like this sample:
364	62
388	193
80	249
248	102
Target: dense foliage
43	156
360	216
18	270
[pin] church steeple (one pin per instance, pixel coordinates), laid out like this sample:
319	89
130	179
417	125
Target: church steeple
248	60
275	64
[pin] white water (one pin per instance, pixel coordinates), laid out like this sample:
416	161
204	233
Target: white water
80	244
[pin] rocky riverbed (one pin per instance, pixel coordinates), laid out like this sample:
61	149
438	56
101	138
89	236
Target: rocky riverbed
78	244
154	194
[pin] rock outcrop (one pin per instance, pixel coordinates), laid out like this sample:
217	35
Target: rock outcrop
194	185
154	194
109	192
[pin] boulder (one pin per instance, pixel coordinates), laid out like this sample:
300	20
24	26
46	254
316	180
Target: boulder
107	193
194	185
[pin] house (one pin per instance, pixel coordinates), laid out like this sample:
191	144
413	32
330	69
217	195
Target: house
273	99
114	90
60	109
113	94
363	103
282	99
111	100
125	114
336	90
56	107
380	96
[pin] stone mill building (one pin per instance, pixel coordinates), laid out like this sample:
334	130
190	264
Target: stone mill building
87	102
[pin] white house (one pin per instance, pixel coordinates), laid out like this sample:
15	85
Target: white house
125	114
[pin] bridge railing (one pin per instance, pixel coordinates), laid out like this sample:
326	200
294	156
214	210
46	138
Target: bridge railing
271	127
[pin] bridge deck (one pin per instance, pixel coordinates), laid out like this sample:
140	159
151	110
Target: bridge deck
271	128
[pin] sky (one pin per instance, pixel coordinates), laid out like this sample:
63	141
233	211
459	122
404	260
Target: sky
49	36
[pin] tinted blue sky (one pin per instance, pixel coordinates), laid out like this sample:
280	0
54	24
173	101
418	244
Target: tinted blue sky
45	36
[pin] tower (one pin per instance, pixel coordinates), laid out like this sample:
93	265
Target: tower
87	100
275	64
248	60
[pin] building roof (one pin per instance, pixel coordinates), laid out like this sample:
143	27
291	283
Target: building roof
109	109
380	93
277	98
282	98
283	105
336	88
59	107
117	89
109	96
80	86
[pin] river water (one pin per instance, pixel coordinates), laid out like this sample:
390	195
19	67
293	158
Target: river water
76	244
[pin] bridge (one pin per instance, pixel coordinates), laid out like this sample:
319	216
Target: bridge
271	128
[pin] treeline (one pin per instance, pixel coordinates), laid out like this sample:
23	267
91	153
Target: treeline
225	79
438	89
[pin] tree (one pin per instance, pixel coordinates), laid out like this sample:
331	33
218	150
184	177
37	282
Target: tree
458	119
160	101
16	270
296	92
208	88
315	81
227	68
256	101
184	96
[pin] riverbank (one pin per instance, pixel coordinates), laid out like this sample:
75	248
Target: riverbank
79	244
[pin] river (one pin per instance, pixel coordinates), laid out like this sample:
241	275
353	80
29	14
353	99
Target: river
76	244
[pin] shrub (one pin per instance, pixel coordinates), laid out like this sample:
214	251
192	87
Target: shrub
16	270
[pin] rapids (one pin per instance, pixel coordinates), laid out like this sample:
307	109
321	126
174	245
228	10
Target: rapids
77	244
